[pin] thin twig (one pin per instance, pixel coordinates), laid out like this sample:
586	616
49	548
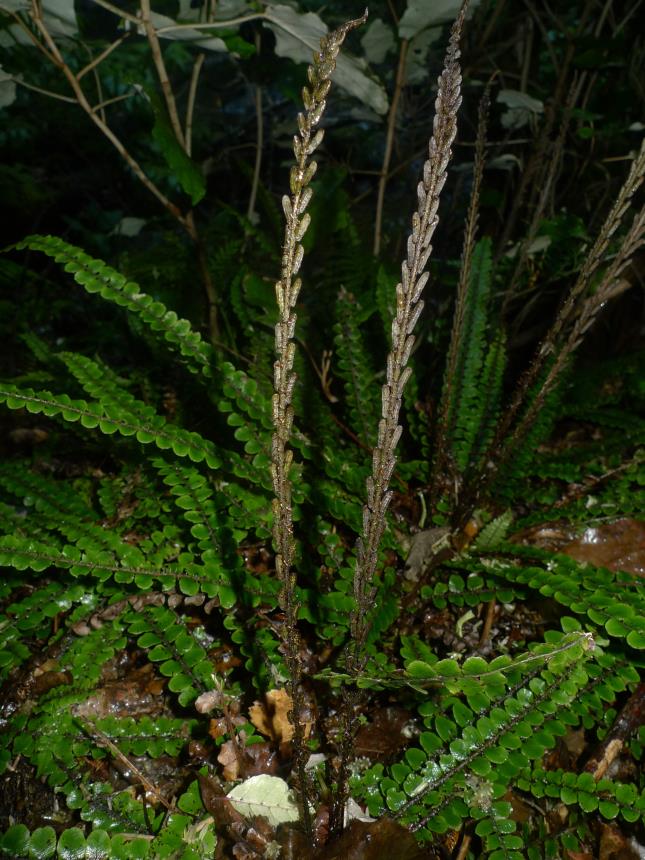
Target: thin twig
99	107
162	74
465	846
389	142
207	279
488	622
259	145
49	93
212	25
108	102
102	56
190	106
627	722
527	48
102	740
53	53
120	13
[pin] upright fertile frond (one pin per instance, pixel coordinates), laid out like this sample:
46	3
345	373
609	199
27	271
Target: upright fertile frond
610	286
574	319
408	309
287	289
589	267
612	222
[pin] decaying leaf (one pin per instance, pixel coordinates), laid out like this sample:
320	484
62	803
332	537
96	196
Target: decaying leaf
384	838
271	719
229	759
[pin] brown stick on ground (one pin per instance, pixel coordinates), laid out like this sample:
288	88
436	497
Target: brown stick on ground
629	719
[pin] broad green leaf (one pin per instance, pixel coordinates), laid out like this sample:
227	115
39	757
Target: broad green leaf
183	168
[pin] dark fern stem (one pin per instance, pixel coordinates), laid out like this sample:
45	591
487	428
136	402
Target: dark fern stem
287	290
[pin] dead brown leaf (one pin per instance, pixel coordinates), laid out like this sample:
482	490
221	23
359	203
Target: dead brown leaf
229	759
374	841
617	545
614	845
385	735
270	717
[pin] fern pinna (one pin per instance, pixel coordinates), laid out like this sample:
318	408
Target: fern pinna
143	610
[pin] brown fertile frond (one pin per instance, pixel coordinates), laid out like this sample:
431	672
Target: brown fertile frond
288	287
580	315
287	290
572	316
408	308
612	222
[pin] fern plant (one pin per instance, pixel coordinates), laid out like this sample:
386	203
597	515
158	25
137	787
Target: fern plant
142	611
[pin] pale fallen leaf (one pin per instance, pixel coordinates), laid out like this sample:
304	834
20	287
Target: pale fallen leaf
265	795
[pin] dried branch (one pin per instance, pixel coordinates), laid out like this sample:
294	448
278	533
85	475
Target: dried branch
102	740
211	25
43	40
546	186
120	13
49	93
102	56
50	49
259	143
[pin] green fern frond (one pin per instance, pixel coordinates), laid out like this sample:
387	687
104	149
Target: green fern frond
462	401
191	578
611	600
169	643
97	277
101	383
487	740
514	460
111	419
353	367
59	508
489	401
608	797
